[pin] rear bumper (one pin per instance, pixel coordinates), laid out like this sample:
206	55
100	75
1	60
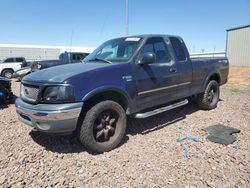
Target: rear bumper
51	118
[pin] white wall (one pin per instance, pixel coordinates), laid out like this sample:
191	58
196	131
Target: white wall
238	46
208	54
38	52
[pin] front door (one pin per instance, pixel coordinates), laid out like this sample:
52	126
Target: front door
156	82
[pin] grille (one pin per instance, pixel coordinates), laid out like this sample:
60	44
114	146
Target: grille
29	93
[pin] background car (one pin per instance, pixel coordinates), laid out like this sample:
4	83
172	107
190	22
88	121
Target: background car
11	64
64	58
19	74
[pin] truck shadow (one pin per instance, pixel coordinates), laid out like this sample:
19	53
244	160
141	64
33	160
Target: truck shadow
69	143
57	143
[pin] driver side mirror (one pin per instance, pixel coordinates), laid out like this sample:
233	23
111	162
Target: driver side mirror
147	58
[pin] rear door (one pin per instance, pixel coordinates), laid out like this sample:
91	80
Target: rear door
184	66
156	82
21	61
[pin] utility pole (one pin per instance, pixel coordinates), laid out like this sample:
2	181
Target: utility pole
71	38
126	18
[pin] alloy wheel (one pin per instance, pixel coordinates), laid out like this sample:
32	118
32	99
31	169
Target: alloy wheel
105	125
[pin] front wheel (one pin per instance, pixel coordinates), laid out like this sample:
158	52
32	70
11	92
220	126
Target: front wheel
103	127
209	98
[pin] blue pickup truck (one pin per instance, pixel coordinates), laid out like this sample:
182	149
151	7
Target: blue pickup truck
137	76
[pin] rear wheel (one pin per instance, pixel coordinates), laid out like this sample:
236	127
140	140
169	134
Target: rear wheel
209	98
103	127
7	73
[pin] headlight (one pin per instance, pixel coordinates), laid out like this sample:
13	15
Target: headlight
58	94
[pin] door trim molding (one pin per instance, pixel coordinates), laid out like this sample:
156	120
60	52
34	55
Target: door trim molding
155	91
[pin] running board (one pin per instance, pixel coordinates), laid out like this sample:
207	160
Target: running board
160	110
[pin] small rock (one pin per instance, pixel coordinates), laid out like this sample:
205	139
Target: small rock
2	179
80	171
242	181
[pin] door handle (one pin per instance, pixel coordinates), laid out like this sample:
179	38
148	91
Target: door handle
173	70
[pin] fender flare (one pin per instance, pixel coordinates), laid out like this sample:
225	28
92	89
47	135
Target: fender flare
108	89
210	74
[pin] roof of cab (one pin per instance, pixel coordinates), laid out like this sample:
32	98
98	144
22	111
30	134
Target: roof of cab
148	36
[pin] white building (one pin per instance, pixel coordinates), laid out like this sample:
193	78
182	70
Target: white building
38	52
238	46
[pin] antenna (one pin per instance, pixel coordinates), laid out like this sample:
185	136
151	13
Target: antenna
126	18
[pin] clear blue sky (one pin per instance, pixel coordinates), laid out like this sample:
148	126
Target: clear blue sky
201	23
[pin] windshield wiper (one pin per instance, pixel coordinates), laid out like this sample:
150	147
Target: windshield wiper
99	59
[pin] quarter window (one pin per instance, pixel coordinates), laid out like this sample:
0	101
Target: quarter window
19	59
178	49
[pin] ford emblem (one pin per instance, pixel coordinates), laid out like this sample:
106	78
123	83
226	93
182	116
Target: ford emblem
26	91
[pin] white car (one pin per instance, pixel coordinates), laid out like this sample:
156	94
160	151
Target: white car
9	65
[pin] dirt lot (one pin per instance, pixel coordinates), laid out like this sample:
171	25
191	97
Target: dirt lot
148	157
239	77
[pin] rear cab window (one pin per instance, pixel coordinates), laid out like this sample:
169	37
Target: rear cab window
178	49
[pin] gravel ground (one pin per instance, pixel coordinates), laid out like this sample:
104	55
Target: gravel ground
148	157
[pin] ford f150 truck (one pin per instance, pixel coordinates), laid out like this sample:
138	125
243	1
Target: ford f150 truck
136	76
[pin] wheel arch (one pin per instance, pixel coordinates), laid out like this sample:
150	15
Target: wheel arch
7	69
113	94
212	76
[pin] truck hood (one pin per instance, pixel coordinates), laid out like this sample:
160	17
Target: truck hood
61	73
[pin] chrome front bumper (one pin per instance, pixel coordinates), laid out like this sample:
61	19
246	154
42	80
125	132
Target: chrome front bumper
52	118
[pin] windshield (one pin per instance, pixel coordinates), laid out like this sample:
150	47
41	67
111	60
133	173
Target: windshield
117	50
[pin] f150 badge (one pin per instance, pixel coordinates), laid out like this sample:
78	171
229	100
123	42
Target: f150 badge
128	78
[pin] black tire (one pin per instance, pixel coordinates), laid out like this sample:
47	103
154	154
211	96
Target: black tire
7	73
209	99
103	127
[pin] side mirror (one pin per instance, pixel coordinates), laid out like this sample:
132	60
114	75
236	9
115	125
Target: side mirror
147	58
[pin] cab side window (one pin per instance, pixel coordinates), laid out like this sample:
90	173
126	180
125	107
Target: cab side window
157	46
9	60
